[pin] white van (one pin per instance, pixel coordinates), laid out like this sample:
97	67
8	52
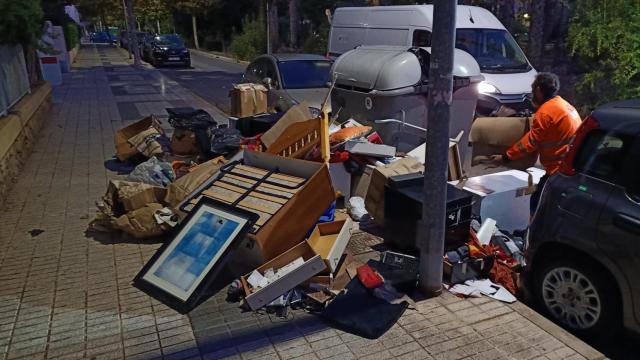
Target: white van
508	74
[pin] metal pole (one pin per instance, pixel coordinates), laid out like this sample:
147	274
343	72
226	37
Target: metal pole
133	39
432	226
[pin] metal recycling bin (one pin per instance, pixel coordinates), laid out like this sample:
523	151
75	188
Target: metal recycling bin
391	82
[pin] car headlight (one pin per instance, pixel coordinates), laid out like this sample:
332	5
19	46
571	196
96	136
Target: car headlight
486	88
185	51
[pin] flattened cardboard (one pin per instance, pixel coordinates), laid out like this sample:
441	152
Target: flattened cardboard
494	135
297	113
124	149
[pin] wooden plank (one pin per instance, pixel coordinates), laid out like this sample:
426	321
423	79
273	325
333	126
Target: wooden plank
261	205
264	217
221	194
263	186
262	172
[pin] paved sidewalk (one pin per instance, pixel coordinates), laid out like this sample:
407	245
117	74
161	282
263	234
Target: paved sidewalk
66	295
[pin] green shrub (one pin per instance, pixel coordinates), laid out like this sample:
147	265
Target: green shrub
71	35
251	42
317	42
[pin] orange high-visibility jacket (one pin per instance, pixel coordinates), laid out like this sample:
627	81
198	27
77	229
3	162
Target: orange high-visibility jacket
554	126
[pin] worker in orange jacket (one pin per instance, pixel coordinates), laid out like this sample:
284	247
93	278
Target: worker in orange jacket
554	126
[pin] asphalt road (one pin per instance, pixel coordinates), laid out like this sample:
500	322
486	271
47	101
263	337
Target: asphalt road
209	78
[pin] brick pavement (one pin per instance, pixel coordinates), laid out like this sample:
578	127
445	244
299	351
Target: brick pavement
64	294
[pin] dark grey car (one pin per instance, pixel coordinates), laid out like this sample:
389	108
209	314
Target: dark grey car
291	78
583	251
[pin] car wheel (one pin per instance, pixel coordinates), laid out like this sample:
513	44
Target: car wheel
578	296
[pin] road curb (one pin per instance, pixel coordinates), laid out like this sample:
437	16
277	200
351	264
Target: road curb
219	57
557	332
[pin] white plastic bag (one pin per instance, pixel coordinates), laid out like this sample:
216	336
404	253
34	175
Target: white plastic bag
356	208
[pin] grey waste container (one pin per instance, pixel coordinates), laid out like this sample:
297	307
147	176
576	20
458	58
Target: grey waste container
391	82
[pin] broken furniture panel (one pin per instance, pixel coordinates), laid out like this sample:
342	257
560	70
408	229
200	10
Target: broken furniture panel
289	195
312	263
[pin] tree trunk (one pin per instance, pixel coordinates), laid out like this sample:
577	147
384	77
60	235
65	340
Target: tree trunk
32	64
294	23
158	25
133	40
274	31
195	32
536	33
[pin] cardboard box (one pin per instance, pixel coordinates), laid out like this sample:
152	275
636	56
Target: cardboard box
124	149
494	135
183	142
248	100
313	264
329	240
374	201
504	196
297	113
454	161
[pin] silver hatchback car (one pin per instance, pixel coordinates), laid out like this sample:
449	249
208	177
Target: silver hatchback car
291	78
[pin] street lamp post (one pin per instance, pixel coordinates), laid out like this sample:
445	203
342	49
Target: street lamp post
431	228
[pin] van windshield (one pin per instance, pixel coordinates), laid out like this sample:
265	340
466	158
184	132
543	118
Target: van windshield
495	50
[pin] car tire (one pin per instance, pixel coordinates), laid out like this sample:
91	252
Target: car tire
579	296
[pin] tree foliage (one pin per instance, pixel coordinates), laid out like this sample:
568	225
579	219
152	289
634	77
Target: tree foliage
195	7
21	21
110	12
251	42
604	37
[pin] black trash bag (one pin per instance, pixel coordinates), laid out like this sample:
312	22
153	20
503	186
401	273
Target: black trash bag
198	121
359	312
188	118
225	141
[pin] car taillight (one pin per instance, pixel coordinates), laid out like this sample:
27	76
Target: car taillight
590	123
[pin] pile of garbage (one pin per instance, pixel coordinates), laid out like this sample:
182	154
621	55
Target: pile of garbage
489	264
259	201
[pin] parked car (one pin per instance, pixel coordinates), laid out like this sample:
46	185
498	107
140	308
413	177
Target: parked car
99	37
166	49
583	250
291	78
508	74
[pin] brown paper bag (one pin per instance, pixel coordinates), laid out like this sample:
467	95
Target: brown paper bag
140	223
179	189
